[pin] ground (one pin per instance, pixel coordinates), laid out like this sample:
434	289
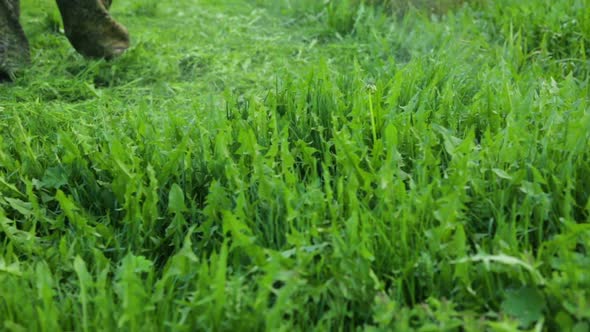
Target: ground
299	165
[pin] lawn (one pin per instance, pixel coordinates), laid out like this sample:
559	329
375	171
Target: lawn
299	165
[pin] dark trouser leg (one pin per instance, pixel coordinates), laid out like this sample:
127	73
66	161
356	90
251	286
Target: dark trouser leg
14	47
91	29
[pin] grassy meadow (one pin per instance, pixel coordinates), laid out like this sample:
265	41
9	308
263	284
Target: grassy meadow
301	165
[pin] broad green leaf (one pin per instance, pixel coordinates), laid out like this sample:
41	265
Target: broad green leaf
176	200
22	207
54	177
525	304
502	173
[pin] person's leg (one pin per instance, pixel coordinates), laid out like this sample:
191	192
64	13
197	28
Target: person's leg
91	29
14	47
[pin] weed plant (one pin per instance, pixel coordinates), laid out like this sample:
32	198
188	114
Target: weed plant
301	165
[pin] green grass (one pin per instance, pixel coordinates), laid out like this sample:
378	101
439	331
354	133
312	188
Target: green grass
301	165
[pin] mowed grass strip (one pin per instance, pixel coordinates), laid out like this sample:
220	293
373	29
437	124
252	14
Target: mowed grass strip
301	165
